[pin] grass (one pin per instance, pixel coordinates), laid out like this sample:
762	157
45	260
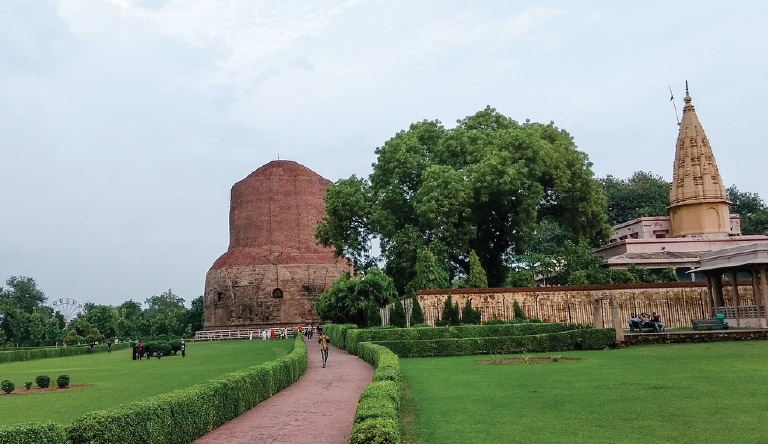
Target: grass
116	379
678	393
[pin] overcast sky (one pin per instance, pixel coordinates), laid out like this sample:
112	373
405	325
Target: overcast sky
123	124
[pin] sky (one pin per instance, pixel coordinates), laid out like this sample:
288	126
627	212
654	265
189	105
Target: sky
124	124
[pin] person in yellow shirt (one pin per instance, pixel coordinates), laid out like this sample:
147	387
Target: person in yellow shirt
323	340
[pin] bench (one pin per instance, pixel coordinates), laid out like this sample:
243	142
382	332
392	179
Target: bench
709	324
639	327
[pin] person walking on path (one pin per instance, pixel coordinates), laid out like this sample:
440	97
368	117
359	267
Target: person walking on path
323	340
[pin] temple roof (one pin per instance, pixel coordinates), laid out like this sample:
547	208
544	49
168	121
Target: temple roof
695	176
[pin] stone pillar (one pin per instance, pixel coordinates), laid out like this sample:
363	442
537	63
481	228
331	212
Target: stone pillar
758	296
597	314
735	290
718	285
764	290
616	320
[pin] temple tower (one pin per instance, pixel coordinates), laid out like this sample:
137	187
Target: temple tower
273	269
697	202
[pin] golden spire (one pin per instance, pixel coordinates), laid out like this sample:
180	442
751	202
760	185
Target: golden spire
697	196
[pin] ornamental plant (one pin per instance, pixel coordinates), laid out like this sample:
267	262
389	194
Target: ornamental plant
43	381
7	386
62	381
28	385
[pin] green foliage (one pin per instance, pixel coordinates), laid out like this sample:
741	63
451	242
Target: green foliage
417	315
195	315
102	317
376	416
477	277
429	273
643	194
28	385
579	339
373	316
484	185
350	300
34	433
751	208
447	316
622	276
470	315
7	386
518	311
520	278
62	381
397	315
43	381
166	314
668	275
578	277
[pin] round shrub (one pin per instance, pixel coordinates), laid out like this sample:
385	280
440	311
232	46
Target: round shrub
7	386
28	385
62	381
43	381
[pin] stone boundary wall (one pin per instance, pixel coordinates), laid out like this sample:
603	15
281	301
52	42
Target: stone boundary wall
696	336
677	303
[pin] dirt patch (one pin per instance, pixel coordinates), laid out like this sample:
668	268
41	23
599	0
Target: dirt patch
526	360
20	390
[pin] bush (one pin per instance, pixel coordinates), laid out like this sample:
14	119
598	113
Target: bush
52	352
43	381
7	386
175	345
62	381
28	385
376	416
519	314
397	315
33	433
581	339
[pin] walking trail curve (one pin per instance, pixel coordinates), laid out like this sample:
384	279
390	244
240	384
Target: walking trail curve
318	408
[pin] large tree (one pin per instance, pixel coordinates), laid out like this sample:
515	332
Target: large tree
643	194
484	185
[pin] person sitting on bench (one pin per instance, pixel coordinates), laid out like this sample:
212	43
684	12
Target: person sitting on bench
656	320
634	323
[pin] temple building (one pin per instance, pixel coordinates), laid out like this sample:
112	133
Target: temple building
273	269
699	220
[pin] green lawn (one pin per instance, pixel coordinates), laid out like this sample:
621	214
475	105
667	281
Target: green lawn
116	379
679	393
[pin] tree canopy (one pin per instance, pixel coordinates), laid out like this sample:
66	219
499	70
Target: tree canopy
751	208
485	185
643	194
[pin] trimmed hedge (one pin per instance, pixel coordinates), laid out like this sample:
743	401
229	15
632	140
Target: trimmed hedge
582	339
54	352
33	433
177	417
337	333
353	336
376	416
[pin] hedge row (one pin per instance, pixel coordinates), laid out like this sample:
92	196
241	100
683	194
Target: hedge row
177	417
353	336
337	333
54	352
376	417
581	339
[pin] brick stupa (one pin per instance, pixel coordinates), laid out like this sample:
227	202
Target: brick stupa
274	269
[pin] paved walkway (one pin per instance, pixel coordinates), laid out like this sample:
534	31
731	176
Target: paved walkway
318	408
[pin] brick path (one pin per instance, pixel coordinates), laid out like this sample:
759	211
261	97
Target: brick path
318	408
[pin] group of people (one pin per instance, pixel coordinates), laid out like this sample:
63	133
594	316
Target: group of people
273	333
308	331
139	350
646	321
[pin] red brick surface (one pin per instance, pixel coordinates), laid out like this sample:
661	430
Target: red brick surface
273	216
318	408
